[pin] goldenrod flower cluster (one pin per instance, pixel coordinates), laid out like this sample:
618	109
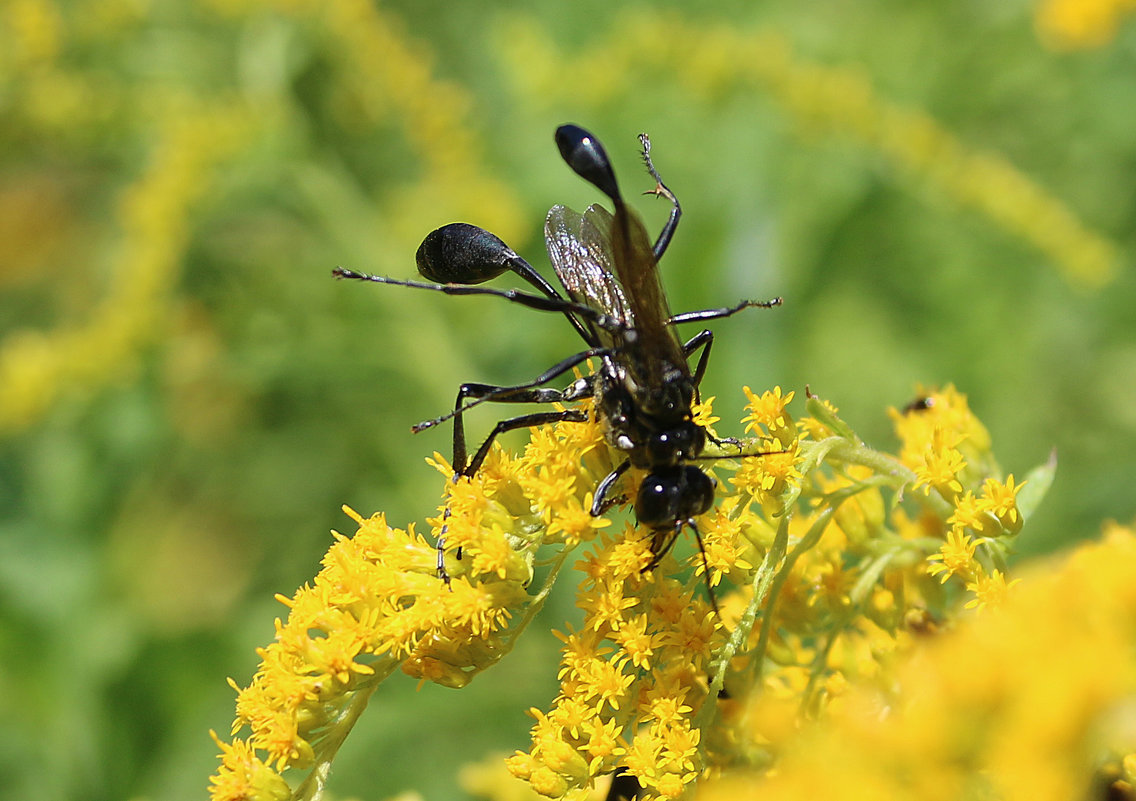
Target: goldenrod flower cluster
38	367
1074	24
1031	701
821	552
949	451
382	77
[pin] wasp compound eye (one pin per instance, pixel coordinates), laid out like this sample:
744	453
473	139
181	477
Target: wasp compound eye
587	158
460	253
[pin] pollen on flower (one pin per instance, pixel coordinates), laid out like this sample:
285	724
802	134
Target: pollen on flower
627	557
606	682
955	558
243	775
1002	501
605	604
494	555
601	742
990	591
571	715
574	523
768	475
724	546
641	757
665	702
695	633
938	466
767	413
973	513
376	602
636	640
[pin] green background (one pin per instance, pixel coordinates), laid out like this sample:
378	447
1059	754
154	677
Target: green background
218	401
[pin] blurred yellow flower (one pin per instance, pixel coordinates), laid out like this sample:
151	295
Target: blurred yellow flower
1071	24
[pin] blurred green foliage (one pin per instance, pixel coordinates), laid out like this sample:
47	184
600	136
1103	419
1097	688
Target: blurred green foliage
187	397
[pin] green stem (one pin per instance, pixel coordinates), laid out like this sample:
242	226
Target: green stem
313	786
882	464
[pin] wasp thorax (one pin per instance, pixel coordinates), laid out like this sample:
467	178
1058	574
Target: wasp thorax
668	448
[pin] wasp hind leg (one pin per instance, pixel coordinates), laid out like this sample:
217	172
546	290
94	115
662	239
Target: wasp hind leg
510	424
663	541
523	393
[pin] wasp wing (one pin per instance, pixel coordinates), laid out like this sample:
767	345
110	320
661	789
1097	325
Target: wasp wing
579	247
660	352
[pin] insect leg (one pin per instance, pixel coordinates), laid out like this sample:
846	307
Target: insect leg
703	339
539	302
664	540
600	502
705	567
661	190
522	421
483	392
529	392
716	314
519	393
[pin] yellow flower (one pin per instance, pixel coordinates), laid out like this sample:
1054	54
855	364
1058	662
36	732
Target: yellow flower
1008	705
990	591
955	558
939	466
1071	24
243	776
822	577
1002	502
767	413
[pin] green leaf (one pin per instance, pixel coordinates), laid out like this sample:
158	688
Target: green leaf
1037	484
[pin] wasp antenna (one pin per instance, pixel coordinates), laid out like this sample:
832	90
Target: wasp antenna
586	156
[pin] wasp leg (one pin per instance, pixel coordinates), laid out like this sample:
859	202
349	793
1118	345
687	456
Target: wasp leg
663	541
705	567
661	190
600	502
529	392
704	339
522	421
726	311
473	394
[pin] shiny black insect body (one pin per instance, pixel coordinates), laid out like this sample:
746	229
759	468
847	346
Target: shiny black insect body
920	404
644	387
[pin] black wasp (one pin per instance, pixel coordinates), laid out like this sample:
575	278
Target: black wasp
644	387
